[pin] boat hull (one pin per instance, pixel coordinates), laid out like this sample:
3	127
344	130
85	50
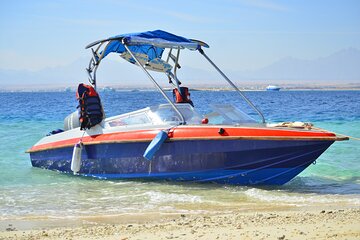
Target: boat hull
241	162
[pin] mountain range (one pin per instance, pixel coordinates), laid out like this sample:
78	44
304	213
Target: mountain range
340	67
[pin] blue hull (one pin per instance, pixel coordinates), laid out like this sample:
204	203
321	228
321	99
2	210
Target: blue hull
240	162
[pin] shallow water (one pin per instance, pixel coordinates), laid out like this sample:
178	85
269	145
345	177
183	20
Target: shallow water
27	192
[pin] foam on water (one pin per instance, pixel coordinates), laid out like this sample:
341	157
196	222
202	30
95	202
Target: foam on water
281	197
160	198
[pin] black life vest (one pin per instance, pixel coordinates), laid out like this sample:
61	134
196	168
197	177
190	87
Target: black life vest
182	96
91	111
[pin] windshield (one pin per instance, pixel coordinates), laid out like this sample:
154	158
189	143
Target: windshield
227	114
165	113
159	114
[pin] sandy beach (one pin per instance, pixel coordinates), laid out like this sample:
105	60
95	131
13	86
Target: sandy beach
278	224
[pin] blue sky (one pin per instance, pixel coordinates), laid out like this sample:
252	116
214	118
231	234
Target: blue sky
242	34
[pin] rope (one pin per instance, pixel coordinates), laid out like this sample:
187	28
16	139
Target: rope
82	136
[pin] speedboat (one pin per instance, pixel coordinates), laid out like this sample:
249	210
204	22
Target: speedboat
272	88
173	141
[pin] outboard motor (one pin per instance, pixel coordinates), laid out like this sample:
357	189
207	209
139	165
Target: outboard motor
72	121
182	96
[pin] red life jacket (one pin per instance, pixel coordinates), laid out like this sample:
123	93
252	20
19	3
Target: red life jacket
91	111
182	96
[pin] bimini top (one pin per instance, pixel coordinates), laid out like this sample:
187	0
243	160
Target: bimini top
145	49
151	43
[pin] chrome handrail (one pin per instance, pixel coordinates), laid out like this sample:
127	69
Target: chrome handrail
156	84
233	85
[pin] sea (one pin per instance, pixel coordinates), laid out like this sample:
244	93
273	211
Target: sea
32	193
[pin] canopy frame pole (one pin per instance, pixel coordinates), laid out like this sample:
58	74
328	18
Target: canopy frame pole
233	85
177	82
94	64
171	75
176	65
174	76
91	70
168	57
183	122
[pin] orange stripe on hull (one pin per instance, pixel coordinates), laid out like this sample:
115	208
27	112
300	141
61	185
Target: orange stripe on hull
198	133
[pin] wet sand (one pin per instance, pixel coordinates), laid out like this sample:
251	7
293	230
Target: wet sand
269	224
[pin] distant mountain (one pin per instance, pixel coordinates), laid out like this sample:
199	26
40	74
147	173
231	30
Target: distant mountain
55	76
340	67
110	73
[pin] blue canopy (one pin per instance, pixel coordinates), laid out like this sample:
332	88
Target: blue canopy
151	43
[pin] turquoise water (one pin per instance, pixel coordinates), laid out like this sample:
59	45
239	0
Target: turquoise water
27	193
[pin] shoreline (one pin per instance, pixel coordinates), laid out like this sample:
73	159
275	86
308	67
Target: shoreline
322	223
193	87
